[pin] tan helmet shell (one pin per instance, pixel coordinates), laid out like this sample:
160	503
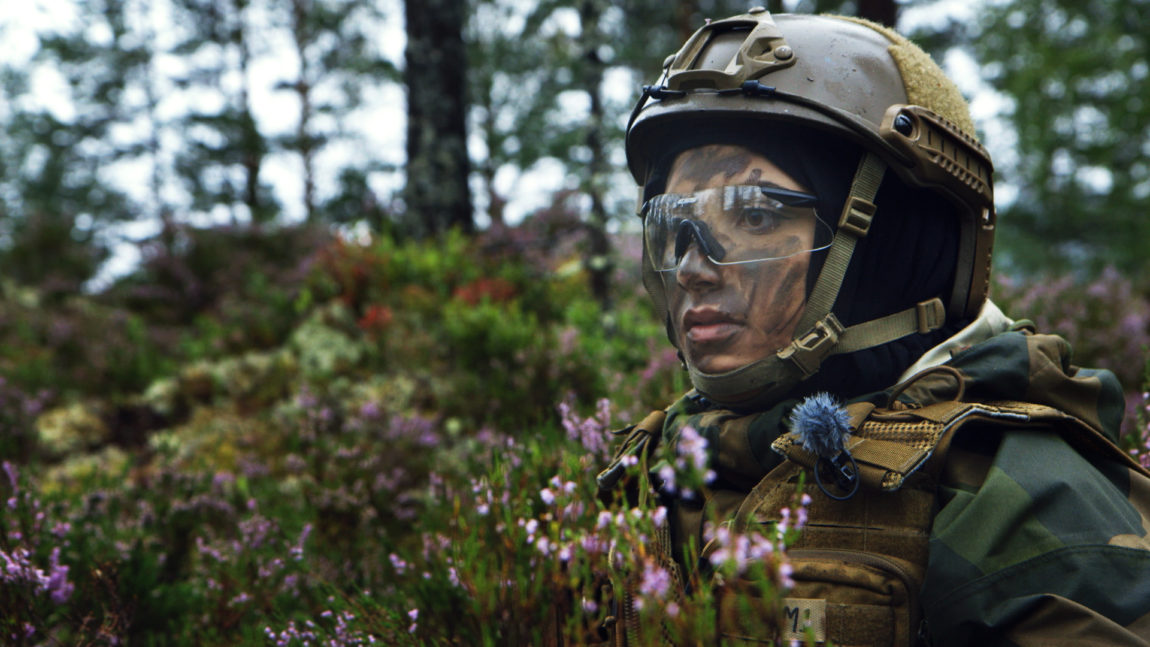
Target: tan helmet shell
846	76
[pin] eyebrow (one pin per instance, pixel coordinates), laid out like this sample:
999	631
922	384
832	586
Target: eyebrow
767	184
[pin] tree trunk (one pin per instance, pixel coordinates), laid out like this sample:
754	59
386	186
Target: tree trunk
251	144
599	246
880	11
302	37
436	195
487	170
685	13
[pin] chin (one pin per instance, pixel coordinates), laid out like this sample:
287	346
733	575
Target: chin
717	364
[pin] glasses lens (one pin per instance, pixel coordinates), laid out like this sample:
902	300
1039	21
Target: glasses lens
731	225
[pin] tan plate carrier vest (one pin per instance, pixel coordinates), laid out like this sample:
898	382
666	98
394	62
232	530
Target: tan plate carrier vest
859	564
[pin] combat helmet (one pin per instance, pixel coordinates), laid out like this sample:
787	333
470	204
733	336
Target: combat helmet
856	80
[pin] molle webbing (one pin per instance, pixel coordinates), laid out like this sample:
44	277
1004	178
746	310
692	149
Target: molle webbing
892	446
640	441
860	563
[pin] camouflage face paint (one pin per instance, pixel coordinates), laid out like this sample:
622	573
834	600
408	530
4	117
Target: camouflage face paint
699	167
725	317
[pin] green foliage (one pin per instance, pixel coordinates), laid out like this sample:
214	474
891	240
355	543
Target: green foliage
238	285
249	441
1074	75
507	331
408	463
52	347
56	203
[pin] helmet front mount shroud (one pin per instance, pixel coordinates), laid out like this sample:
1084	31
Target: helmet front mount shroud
861	82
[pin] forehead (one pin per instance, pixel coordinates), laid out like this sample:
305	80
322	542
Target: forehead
715	165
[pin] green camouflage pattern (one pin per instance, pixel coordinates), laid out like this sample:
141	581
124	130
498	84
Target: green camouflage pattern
1035	541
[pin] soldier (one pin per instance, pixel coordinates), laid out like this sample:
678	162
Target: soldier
818	220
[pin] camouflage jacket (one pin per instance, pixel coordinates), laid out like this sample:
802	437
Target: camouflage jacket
1033	541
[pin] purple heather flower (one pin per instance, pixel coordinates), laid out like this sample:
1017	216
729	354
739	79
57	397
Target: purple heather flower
222	479
591	433
370	410
305	399
10	470
58	587
667	476
659	516
16	568
207	550
693	447
655	581
61	529
784	523
297	550
785	573
256	530
268	570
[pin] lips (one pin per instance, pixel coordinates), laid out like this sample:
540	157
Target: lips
709	325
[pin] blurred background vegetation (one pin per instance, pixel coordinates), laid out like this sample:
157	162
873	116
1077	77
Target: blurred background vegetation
234	326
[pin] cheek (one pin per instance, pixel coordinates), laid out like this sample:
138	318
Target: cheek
674	296
793	245
777	297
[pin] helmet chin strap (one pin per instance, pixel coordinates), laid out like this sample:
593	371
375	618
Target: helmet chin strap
820	334
752	386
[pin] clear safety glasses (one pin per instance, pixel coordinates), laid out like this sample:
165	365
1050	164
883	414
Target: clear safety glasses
732	225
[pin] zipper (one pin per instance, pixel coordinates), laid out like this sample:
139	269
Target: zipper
880	562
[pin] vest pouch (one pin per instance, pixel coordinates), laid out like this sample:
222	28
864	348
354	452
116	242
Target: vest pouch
851	599
840	597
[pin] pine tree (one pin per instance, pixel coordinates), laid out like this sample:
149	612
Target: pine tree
225	150
334	44
437	195
58	203
1074	76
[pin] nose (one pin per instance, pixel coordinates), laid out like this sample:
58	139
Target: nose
696	272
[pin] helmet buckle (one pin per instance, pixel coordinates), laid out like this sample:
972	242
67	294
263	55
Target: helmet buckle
857	216
808	351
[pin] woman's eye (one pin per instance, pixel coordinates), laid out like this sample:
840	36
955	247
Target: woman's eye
758	219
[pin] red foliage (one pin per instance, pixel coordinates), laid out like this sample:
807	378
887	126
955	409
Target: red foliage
496	290
352	267
375	319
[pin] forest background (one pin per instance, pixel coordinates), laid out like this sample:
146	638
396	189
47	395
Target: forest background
302	302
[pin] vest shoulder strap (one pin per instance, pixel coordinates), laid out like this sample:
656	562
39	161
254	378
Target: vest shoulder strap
891	446
639	443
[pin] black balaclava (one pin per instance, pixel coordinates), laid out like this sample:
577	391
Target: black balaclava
907	257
